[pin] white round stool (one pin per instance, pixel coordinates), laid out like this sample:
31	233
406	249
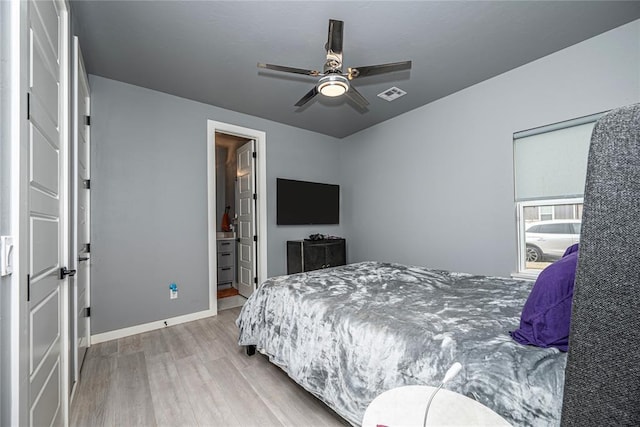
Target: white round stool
405	406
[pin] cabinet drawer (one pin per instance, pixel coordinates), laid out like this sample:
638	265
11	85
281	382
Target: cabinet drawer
225	259
226	245
225	274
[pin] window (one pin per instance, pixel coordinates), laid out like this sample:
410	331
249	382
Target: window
577	227
550	166
546	240
546	213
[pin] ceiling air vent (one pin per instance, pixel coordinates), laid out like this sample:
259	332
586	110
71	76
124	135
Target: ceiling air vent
392	94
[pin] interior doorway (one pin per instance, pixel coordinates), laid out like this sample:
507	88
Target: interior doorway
228	169
237	213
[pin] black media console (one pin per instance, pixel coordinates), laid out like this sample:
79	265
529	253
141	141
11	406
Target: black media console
308	255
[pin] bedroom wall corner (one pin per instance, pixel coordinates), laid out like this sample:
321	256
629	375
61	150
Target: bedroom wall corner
149	199
442	195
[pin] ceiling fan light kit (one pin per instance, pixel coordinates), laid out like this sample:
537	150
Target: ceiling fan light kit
333	85
333	82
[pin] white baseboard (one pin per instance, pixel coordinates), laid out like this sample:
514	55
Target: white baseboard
151	326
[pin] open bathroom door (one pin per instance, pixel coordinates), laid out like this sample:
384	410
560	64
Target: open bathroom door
245	207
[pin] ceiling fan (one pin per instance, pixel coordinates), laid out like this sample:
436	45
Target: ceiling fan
333	82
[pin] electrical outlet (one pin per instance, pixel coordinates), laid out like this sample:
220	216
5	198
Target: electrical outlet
173	291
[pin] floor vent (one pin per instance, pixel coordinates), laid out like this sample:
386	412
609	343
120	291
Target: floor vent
392	94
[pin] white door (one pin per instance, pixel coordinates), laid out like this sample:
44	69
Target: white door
82	211
245	207
47	222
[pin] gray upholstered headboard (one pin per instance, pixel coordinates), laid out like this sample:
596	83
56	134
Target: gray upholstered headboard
602	385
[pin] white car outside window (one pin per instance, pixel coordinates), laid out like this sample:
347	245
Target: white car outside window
549	239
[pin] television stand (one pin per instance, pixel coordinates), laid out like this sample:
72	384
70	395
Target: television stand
309	255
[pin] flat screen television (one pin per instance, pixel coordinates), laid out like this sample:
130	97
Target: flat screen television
306	203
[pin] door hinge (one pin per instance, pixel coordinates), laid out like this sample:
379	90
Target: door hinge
254	154
28	105
87	312
255	280
86	183
87	247
87	120
255	238
28	287
255	196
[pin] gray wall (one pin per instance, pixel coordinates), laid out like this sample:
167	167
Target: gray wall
434	186
221	155
149	199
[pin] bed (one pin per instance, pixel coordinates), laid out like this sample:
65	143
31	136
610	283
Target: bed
349	333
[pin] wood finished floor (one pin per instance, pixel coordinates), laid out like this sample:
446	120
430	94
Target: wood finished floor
193	374
229	292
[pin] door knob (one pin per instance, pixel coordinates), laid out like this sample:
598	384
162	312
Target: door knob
63	272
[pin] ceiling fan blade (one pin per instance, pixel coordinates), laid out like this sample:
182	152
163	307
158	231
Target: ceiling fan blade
372	70
289	69
334	43
357	97
308	97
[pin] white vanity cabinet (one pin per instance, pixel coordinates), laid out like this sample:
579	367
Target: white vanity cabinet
226	262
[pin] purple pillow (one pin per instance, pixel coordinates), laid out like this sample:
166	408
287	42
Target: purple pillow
546	315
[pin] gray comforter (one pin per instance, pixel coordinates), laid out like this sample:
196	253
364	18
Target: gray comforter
349	333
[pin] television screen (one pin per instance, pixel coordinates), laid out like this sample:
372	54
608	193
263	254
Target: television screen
304	203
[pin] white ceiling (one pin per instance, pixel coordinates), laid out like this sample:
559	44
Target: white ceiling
208	50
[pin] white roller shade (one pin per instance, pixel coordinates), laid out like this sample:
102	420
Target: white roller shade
552	164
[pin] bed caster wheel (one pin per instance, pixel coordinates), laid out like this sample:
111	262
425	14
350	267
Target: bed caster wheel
251	350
